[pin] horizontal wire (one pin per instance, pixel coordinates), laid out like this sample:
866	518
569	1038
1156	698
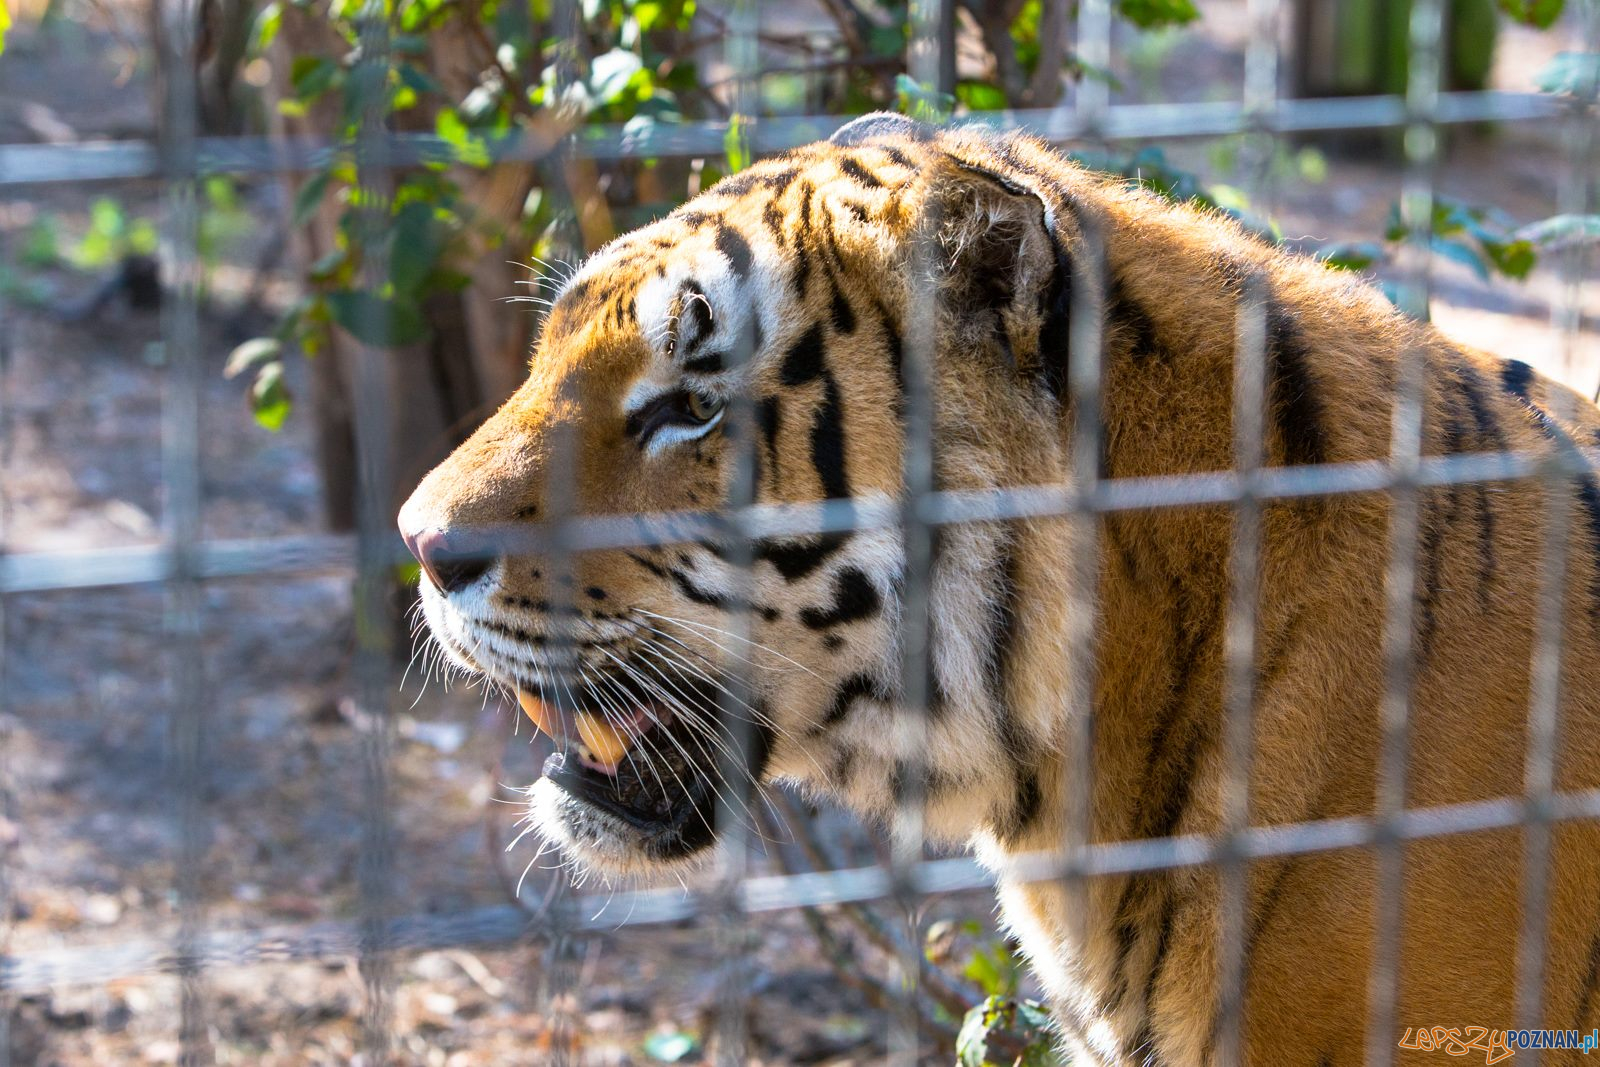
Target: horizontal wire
31	973
89	161
35	572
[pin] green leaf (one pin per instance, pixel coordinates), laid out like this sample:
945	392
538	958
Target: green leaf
419	81
465	146
106	239
920	102
981	95
670	1048
1561	231
1570	74
311	76
254	353
265	28
736	142
1033	1015
269	397
309	197
972	1043
1539	13
376	321
41	245
1148	14
1462	253
1351	255
416	247
1514	259
609	74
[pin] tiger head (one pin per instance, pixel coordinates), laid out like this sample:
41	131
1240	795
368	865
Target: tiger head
754	346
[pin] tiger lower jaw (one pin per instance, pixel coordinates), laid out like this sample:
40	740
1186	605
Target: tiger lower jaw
627	792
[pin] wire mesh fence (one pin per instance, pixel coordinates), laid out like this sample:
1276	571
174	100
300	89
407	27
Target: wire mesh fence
185	560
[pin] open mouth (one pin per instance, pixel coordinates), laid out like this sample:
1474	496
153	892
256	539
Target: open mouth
643	765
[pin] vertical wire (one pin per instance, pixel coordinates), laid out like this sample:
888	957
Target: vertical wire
173	22
1544	696
1417	198
735	801
1085	359
10	828
563	942
918	371
373	412
1244	565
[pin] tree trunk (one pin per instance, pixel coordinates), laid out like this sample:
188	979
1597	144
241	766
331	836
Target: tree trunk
476	351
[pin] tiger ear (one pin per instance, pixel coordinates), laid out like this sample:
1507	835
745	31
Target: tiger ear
1005	278
879	125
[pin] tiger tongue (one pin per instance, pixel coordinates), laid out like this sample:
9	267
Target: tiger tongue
601	745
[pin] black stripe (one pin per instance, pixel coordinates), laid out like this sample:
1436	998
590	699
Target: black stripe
739	184
1296	406
1055	344
804	361
830	243
769	419
854	598
649	565
1028	797
1159	820
1489	438
844	764
854	688
844	319
794	559
1431	549
1455	495
1139	1046
1589	497
695	593
1591	980
1128	322
1004	630
697	310
772	215
899	157
731	243
1516	378
1175	801
852	167
827	443
897	357
802	252
710	363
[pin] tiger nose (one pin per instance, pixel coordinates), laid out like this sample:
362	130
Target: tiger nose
451	561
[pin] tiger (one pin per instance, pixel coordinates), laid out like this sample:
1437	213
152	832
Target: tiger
760	345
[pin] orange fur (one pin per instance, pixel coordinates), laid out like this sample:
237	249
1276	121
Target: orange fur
990	224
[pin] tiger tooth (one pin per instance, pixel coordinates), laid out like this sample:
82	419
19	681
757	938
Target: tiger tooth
538	712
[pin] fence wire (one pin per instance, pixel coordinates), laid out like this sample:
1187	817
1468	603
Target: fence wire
184	560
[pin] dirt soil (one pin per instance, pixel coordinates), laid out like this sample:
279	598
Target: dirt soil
89	835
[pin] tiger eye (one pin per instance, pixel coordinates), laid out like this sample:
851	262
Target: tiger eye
703	408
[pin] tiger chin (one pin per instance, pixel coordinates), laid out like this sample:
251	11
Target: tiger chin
759	340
